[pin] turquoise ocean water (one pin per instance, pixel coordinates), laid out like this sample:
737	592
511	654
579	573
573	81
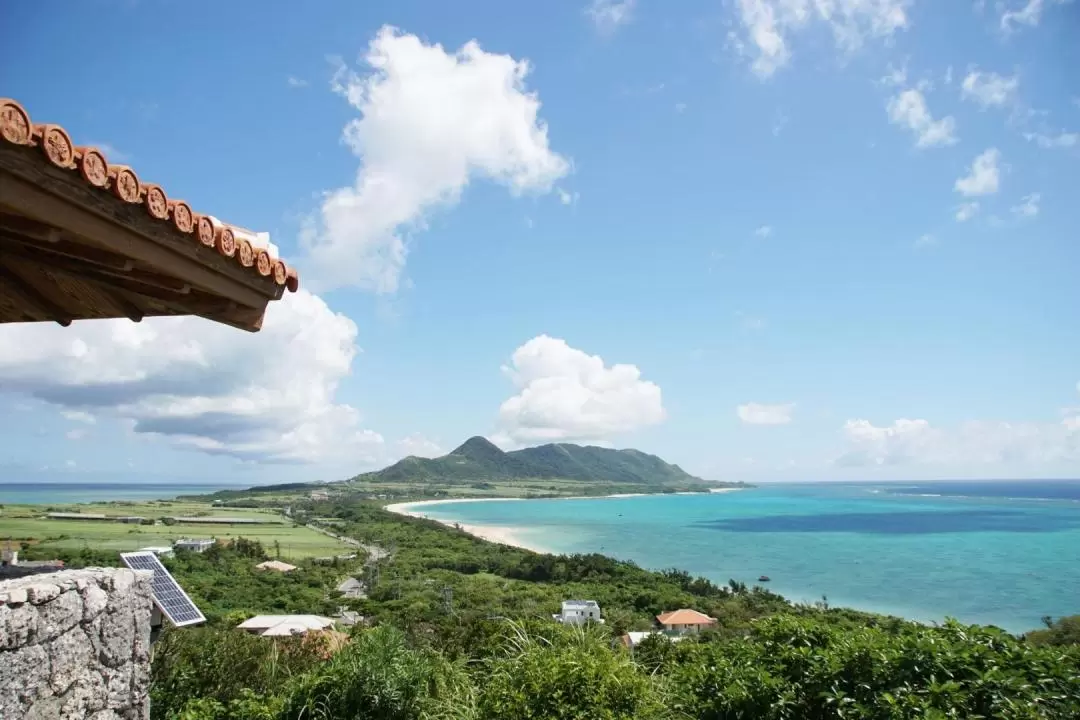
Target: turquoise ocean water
1002	553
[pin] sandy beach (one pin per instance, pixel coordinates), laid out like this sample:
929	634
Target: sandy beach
491	533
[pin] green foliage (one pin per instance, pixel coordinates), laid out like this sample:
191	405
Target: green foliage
1063	631
576	675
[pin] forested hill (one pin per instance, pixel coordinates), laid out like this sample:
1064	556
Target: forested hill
478	459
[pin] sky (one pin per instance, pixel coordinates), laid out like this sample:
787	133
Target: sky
763	239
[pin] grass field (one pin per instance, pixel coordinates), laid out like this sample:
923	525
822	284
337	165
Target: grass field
25	523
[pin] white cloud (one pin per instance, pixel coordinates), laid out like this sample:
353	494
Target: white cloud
983	178
769	23
266	396
895	76
1045	141
1029	14
565	197
1028	207
430	122
966	211
564	394
764	231
295	82
78	416
971	444
419	446
989	89
761	414
908	109
609	15
925	241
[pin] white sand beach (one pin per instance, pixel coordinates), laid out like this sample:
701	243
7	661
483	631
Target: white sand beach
491	533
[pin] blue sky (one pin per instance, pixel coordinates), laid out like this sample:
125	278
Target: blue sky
765	239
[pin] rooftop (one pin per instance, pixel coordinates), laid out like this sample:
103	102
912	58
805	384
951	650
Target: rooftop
685	617
276	625
276	565
83	238
579	603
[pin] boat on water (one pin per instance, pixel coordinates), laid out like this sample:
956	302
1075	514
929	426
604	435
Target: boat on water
764	578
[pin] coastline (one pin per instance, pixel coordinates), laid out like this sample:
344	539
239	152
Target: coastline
512	535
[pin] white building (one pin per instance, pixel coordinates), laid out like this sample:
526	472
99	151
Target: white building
578	612
193	545
159	550
279	625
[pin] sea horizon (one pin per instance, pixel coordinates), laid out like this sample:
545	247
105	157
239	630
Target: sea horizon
997	552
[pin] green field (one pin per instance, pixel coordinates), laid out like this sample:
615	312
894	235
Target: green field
20	523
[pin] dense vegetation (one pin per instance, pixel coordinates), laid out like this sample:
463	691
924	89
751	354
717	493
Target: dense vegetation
478	460
461	628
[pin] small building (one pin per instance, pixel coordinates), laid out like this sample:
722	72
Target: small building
285	625
319	495
352	588
76	516
133	519
159	550
201	545
276	566
578	612
9	556
685	621
632	639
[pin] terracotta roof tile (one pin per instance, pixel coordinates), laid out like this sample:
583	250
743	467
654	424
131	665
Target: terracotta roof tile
685	617
231	241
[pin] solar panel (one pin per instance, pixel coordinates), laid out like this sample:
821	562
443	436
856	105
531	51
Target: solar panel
169	596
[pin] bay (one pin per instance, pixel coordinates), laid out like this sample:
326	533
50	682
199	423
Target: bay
1001	553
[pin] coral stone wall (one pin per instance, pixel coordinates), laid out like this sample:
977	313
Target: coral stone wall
75	644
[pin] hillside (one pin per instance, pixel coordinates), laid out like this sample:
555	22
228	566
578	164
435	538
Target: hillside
478	460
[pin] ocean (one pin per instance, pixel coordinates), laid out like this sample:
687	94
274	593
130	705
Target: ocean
63	493
1001	553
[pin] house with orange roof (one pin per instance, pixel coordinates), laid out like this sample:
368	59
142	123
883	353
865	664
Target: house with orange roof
685	621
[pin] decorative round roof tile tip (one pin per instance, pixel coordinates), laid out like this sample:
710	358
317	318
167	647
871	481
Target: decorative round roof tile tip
125	184
204	226
292	280
56	144
157	202
280	272
93	166
262	263
15	125
225	241
245	253
182	217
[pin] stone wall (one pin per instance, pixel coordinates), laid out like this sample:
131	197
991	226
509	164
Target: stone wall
76	644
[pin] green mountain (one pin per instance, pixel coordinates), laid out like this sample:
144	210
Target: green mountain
479	460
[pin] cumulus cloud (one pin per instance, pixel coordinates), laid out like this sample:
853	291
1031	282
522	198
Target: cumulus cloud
769	24
966	211
989	89
267	396
566	395
1048	141
609	15
984	176
1028	207
908	109
430	122
1029	14
761	414
419	446
972	444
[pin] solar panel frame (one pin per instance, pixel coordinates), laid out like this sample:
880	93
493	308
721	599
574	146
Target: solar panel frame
170	598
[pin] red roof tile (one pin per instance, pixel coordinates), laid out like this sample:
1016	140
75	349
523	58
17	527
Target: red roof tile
230	241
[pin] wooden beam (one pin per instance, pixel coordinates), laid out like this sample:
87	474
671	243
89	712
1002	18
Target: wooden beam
34	299
62	199
71	250
80	267
123	303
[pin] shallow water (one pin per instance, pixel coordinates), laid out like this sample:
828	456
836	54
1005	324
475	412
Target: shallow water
1002	553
